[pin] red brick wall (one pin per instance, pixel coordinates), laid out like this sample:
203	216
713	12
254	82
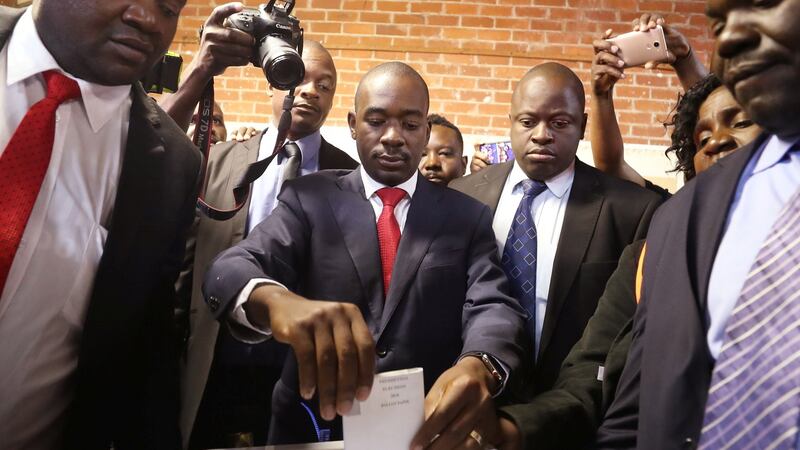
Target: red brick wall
470	52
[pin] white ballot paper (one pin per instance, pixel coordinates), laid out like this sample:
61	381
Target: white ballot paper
391	415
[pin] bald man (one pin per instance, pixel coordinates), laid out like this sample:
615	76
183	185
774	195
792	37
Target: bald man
372	270
227	385
560	225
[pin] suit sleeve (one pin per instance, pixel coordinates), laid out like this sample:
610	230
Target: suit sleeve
568	415
274	250
493	321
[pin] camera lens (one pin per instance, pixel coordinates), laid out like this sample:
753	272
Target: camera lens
281	63
656	44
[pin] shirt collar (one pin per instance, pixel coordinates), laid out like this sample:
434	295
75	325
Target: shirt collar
371	186
558	185
30	58
309	147
774	151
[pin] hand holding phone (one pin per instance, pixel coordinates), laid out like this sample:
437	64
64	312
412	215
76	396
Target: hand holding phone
639	47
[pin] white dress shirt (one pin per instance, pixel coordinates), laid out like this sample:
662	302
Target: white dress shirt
548	211
767	184
249	333
45	299
267	187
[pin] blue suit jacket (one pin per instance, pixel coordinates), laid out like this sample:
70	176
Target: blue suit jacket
662	391
448	294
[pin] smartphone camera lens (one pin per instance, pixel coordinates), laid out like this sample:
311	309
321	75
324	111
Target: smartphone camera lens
656	44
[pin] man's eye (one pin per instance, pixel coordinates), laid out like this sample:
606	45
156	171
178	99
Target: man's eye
743	124
374	122
765	3
527	123
559	124
324	87
703	142
412	125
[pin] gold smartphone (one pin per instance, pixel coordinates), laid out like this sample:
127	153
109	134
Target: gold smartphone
639	47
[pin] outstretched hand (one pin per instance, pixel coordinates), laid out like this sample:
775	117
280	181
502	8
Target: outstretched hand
333	345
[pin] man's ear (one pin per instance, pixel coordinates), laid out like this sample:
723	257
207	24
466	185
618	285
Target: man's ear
351	122
428	136
463	165
583	125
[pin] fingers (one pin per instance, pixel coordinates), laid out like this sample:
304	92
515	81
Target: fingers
365	350
430	428
222	12
648	21
326	359
347	365
602	45
242	134
454	416
302	341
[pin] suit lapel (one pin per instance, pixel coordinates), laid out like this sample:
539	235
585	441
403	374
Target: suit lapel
490	185
356	220
706	229
240	163
140	184
422	225
583	210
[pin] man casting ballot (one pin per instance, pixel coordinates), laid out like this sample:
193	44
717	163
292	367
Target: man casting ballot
376	269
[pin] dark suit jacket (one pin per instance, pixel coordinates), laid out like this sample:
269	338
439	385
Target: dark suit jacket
448	294
567	416
663	388
227	162
604	214
126	389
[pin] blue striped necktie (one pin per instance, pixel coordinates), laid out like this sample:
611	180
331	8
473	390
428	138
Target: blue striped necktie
519	253
754	399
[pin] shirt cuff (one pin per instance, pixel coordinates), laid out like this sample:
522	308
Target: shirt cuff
241	328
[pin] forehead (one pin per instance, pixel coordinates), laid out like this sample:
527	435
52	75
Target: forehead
719	100
398	94
318	61
541	95
443	136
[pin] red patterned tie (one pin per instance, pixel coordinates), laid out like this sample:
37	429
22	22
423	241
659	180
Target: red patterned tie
24	164
388	232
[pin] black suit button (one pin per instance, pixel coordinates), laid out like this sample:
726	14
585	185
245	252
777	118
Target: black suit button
689	443
213	303
382	353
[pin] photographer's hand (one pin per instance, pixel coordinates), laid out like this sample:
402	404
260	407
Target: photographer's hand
220	48
680	56
334	348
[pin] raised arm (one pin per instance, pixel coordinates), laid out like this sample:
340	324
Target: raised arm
220	47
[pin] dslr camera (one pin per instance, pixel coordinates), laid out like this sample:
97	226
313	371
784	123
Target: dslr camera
279	42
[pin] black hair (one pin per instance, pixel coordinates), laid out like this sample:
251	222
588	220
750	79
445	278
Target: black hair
684	121
436	119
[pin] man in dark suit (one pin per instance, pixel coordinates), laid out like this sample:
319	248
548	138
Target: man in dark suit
226	385
700	336
583	218
89	357
440	304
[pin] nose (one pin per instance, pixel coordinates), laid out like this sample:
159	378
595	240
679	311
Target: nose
738	35
308	90
392	136
719	143
541	134
142	15
431	162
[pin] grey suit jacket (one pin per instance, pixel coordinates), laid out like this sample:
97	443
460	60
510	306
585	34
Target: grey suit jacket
604	215
662	392
126	385
448	294
227	162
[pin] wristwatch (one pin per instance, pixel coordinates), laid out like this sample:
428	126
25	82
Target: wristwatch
495	369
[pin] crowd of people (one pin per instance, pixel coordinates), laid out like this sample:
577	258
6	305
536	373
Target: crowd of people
552	304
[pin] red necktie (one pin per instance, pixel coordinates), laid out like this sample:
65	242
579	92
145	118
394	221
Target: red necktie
388	232
24	164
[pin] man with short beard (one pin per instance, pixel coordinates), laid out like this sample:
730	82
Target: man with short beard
714	357
97	189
